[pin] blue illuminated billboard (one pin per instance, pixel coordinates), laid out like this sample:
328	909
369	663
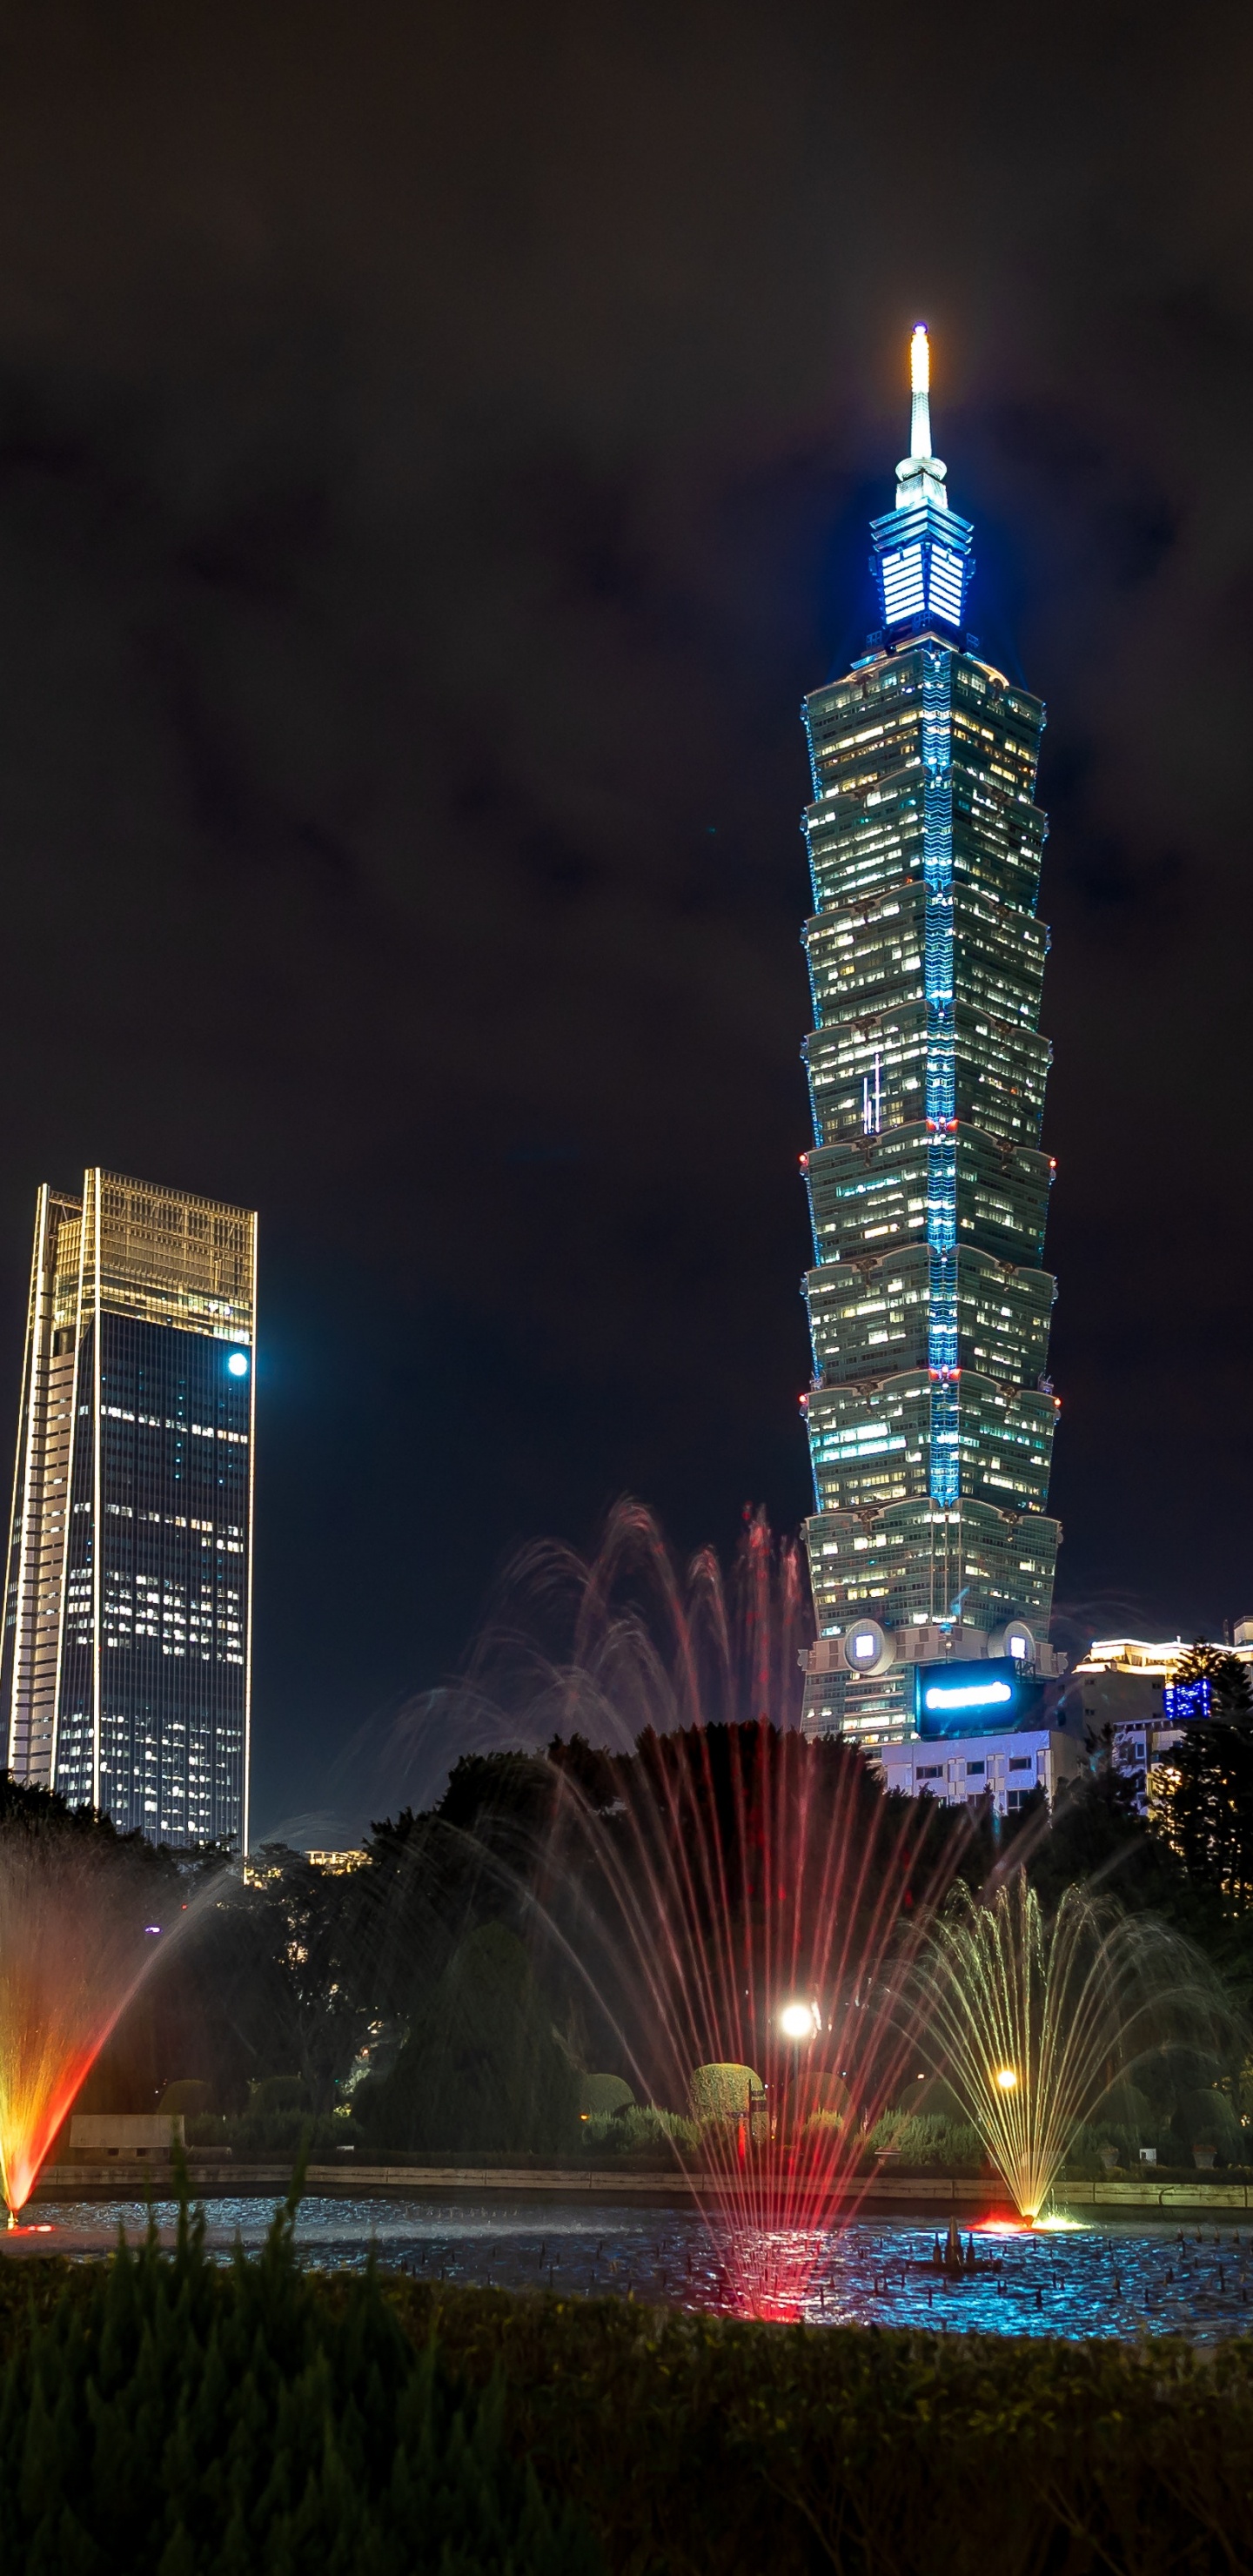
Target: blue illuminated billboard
994	1697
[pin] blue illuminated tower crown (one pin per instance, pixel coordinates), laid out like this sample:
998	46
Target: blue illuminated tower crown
930	1411
922	563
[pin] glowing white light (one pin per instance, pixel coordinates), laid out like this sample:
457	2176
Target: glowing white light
944	588
920	361
903	594
237	1364
1007	2078
798	2021
970	1695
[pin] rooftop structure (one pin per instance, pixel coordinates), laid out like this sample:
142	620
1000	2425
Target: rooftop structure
1120	1682
930	1413
125	1678
1124	1691
1139	1655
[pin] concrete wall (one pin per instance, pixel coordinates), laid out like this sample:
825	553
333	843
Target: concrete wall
125	2133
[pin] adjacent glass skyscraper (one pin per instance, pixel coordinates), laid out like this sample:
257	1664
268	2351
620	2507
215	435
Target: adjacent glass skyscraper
931	1413
126	1670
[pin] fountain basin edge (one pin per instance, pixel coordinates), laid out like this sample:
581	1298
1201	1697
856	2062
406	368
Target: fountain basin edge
920	2193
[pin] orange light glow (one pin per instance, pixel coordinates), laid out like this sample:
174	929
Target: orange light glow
72	1953
30	2116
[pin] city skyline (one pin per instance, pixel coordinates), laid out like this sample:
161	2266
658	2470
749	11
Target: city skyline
125	1676
411	564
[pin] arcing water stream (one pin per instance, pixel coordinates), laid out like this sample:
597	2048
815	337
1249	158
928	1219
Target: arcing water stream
1032	2022
74	1949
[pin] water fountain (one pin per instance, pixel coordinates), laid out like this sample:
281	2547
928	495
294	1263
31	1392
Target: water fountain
74	1947
1032	2022
742	1907
713	1891
733	1910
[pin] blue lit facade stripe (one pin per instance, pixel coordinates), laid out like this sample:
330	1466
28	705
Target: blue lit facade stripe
941	1076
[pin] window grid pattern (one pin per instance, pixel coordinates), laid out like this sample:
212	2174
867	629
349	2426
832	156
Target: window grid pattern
929	1308
941	1092
169	1526
127	1647
875	1313
880	1563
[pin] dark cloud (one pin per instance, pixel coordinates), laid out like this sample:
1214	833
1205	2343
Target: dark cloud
435	451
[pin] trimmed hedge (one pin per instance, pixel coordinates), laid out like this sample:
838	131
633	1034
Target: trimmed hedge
163	2414
703	2444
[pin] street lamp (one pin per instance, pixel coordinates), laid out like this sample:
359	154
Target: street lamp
799	2021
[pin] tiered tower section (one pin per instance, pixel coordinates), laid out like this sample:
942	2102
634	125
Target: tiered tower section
931	1413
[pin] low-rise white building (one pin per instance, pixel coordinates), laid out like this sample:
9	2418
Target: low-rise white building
961	1770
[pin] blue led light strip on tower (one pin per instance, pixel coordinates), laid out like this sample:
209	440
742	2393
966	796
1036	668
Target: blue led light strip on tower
941	1074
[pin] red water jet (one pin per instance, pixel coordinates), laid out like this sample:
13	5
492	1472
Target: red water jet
743	1902
74	1947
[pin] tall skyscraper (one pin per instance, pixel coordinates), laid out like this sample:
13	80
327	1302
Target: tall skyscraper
931	1412
125	1678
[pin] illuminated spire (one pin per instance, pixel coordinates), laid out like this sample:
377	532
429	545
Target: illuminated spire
920	387
922	563
920	475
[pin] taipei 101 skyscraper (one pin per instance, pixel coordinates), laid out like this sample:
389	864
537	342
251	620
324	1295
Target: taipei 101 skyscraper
931	1412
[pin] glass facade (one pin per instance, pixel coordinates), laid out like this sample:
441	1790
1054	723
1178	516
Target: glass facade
126	1672
930	1413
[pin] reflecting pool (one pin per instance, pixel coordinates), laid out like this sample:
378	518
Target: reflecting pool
1123	2279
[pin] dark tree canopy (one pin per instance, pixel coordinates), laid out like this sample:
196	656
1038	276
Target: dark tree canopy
482	2070
1209	1814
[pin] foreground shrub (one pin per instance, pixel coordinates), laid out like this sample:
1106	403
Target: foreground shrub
922	2142
699	2446
724	2092
169	2417
822	2127
271	2133
637	2126
601	2095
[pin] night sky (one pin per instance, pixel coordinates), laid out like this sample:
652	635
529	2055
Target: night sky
436	447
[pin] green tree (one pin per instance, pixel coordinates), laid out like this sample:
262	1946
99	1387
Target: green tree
482	2070
277	1954
1098	1836
1208	1809
1228	1678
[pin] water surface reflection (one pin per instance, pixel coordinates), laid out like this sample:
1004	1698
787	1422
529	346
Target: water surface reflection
1123	2279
